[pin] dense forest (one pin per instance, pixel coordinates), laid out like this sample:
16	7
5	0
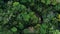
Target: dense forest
29	16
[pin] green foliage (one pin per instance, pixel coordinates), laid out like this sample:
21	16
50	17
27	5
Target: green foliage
26	31
30	16
43	1
56	32
48	2
15	4
21	26
14	29
53	2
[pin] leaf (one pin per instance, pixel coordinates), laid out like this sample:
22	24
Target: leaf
21	26
37	26
59	16
15	4
54	2
48	2
43	1
26	31
14	29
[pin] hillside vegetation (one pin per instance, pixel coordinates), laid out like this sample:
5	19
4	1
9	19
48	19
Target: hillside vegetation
29	16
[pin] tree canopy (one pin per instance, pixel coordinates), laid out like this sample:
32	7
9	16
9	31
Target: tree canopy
29	16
